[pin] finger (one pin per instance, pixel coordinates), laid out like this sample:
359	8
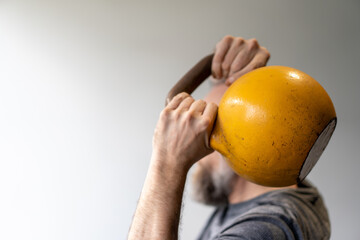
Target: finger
210	111
209	115
175	102
198	107
252	47
221	48
259	60
236	47
241	60
185	104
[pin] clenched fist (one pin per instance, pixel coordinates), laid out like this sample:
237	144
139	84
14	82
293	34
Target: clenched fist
182	133
235	56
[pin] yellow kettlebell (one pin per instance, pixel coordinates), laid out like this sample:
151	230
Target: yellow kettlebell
273	123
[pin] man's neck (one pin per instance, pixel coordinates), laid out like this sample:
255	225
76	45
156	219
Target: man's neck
244	190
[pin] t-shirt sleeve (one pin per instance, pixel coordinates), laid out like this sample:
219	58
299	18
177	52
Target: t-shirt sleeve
258	228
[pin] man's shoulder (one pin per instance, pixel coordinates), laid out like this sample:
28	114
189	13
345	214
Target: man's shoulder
296	213
304	197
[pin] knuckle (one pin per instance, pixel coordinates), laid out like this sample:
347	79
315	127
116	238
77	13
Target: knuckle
201	102
183	94
214	105
226	41
178	96
165	113
225	65
228	38
255	66
239	41
176	115
205	122
267	53
188	116
253	43
211	104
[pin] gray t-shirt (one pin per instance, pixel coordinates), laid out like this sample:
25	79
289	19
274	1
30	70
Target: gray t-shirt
281	214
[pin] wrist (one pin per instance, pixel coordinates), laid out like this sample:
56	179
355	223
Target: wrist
169	166
165	180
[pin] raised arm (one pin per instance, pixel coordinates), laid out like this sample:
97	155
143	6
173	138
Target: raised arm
181	138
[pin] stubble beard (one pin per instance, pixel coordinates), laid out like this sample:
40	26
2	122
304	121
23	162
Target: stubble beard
213	186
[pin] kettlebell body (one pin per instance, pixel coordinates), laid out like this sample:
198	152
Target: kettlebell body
273	124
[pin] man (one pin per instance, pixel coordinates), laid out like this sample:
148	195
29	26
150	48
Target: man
244	210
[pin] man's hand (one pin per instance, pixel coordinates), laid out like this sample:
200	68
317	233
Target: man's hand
235	56
182	133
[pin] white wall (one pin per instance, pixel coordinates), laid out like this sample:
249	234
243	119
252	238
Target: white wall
82	84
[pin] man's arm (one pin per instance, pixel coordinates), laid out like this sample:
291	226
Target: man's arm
181	138
158	212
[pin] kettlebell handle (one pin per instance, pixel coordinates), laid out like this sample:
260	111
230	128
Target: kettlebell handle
192	79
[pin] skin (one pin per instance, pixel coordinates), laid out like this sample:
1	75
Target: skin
235	56
181	139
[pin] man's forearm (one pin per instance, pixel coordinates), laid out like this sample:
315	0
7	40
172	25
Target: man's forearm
158	211
179	141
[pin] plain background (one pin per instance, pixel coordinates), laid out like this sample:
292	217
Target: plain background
82	84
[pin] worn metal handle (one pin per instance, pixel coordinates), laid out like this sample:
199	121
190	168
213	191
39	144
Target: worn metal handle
192	79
